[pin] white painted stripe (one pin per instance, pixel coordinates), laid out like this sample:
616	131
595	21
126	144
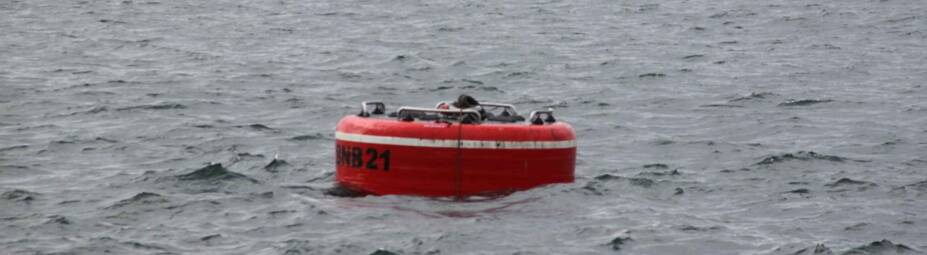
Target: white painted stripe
452	143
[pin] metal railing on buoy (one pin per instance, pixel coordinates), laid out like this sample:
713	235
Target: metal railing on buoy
535	117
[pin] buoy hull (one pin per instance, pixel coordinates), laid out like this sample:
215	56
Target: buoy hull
385	156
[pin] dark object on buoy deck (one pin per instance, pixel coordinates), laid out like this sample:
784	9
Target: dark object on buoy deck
465	101
434	152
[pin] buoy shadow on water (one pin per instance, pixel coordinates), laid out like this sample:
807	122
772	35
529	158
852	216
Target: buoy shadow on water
338	190
430	207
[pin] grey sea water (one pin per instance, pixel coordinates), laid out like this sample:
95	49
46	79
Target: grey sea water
704	127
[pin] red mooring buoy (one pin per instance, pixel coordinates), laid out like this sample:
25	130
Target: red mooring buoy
452	152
